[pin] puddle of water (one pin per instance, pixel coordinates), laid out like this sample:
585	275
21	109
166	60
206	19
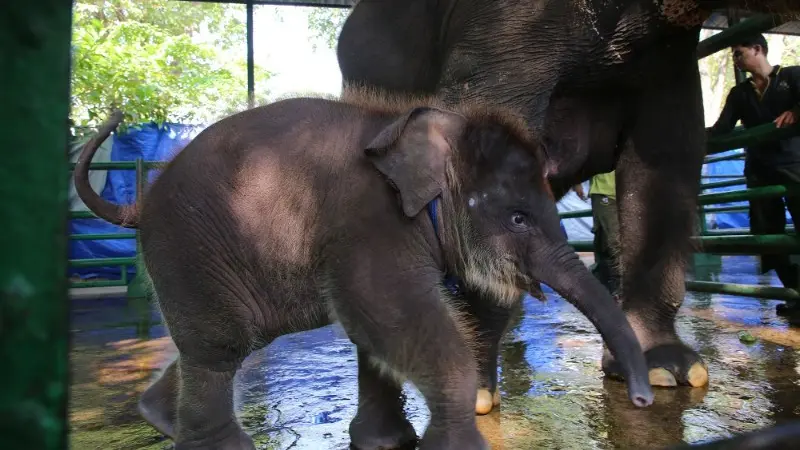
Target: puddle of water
301	392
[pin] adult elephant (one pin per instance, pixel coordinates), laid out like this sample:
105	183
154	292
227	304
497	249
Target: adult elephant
608	84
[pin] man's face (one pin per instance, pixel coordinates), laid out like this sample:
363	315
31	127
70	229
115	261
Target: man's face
747	58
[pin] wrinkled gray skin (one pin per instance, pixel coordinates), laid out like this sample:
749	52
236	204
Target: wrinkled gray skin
608	84
285	217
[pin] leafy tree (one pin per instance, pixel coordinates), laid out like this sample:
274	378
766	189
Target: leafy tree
325	25
159	60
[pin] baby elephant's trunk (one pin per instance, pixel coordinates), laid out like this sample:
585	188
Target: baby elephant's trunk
563	271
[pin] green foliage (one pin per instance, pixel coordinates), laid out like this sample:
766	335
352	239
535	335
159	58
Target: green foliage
325	25
159	60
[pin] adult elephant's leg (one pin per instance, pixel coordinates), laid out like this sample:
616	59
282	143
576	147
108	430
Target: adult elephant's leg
491	322
379	422
658	178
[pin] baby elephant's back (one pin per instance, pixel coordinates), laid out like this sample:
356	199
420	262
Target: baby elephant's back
263	187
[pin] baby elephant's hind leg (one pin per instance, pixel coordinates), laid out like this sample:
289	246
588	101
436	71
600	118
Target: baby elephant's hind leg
205	411
158	404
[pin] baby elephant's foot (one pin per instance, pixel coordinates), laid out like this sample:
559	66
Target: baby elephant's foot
231	437
453	439
381	432
486	401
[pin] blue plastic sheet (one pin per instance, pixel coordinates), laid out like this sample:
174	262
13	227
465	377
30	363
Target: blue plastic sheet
151	143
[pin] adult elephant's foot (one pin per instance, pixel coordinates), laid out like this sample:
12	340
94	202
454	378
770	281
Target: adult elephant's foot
486	401
671	362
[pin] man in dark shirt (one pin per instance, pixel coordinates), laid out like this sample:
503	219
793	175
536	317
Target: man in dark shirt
771	94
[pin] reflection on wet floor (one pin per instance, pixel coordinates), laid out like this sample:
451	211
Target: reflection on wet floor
301	391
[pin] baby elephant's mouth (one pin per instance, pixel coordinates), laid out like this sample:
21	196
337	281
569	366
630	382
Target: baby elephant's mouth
535	290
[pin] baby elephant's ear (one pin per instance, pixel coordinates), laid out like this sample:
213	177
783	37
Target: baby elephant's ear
412	153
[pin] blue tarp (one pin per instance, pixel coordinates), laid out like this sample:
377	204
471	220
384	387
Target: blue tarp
150	143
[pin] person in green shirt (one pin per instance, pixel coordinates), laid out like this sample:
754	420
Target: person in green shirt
603	195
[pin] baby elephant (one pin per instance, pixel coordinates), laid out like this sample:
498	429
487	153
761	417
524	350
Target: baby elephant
307	211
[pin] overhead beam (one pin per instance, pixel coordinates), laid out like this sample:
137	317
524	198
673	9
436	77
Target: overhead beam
756	24
313	3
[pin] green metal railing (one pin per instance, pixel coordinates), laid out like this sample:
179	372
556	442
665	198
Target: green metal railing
134	289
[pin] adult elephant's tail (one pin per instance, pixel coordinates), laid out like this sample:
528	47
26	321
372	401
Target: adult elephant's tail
123	215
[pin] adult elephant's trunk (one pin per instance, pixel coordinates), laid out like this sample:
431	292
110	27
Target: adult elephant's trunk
563	271
123	215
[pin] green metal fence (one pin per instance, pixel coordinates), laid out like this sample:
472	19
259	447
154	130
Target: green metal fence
134	289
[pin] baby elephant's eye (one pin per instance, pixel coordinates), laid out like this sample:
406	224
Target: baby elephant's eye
518	223
518	218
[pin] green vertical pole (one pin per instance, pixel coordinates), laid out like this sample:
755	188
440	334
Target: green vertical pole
251	77
136	288
34	322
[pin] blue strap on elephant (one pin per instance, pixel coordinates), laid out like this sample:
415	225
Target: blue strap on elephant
451	282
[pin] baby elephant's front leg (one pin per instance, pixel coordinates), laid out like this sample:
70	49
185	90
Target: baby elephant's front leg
414	333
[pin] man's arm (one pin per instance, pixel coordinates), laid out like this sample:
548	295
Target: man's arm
791	116
728	117
578	188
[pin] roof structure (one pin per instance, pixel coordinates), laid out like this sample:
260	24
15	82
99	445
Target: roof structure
718	20
323	3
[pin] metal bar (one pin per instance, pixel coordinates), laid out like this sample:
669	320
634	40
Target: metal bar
92	284
739	195
102	262
729	245
743	290
740	231
716	159
136	289
251	79
708	210
575	214
111	326
122	165
82	215
748	194
722	197
721	184
748	245
731	35
750	137
34	105
724	177
725	209
101	236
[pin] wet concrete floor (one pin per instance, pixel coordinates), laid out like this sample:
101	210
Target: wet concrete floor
301	392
